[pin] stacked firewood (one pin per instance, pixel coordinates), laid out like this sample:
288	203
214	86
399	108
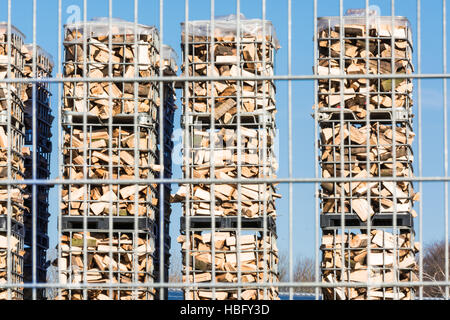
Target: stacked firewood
255	267
374	57
14	252
11	143
362	146
361	143
169	57
245	55
226	159
128	57
44	69
121	145
388	252
124	258
253	57
11	132
11	56
241	146
15	194
41	94
128	149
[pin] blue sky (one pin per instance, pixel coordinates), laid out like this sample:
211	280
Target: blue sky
302	91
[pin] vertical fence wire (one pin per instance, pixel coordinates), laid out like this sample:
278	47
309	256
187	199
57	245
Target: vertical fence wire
185	152
445	133
290	169
9	222
419	133
162	108
239	152
212	143
34	157
60	157
316	162
394	149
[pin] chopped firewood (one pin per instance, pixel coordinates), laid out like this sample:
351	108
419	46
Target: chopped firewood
122	56
102	152
229	153
251	263
358	258
105	258
383	197
373	59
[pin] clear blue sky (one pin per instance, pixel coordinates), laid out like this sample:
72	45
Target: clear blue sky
302	97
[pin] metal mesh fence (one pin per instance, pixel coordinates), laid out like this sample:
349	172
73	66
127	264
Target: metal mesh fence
119	189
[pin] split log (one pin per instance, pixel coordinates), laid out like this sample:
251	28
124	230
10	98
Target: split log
249	60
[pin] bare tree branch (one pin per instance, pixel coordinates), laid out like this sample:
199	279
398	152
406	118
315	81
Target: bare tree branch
434	268
303	271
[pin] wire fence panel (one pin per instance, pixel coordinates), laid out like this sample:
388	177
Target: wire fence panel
105	204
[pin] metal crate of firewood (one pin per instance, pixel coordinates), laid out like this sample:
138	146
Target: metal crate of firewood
229	133
12	62
365	129
249	258
163	240
11	125
41	244
11	163
366	151
381	256
256	160
12	132
44	117
229	54
11	259
103	257
112	131
88	53
364	51
110	155
42	193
